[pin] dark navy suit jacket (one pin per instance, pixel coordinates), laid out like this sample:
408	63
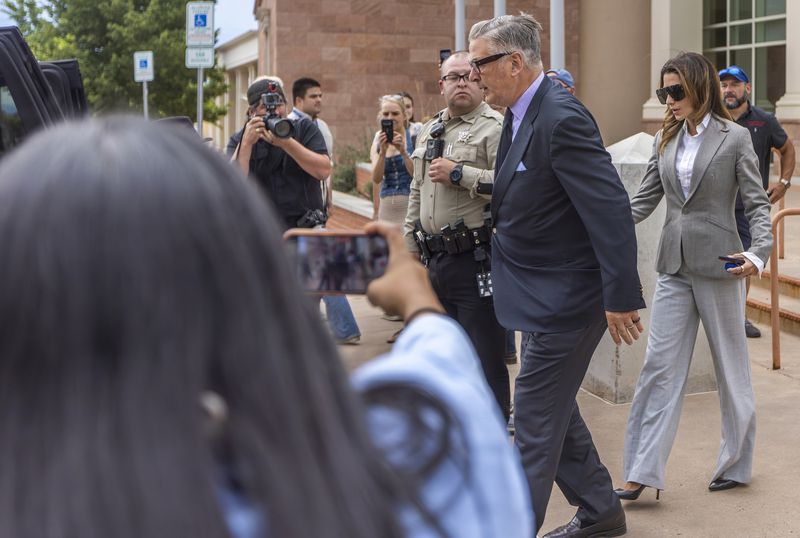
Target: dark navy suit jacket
564	246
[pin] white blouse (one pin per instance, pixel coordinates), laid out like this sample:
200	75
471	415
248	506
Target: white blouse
687	151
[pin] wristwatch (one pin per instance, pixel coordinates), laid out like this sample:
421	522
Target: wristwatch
456	174
786	182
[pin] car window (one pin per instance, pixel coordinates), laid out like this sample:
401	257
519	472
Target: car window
11	130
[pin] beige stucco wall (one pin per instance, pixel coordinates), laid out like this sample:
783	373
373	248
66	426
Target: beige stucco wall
614	62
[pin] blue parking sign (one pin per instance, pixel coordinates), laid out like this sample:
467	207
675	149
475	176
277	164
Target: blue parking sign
200	24
142	64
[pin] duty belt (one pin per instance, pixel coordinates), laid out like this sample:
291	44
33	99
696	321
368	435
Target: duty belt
458	241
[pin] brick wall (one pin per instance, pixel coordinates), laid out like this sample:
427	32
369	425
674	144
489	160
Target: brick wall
362	49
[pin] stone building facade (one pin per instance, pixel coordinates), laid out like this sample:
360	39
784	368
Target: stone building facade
362	49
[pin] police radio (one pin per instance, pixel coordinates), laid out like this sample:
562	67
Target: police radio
434	147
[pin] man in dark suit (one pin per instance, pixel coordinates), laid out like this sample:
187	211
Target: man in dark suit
563	266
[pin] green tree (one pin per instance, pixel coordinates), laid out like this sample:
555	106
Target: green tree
103	36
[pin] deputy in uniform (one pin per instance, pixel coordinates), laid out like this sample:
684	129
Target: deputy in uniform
448	221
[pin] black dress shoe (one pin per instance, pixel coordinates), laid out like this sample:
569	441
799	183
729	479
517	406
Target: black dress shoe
613	526
723	483
750	330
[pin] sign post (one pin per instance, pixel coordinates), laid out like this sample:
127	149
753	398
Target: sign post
199	46
143	72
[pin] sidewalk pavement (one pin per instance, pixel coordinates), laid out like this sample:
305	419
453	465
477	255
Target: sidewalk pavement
765	508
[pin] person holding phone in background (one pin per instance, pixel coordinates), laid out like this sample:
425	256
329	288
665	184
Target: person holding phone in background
700	160
214	403
390	155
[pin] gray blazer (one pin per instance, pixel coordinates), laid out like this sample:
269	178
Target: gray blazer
702	226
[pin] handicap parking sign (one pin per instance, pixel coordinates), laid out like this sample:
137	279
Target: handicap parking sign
200	24
143	66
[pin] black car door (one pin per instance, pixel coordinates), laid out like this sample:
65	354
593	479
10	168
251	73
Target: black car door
64	78
26	101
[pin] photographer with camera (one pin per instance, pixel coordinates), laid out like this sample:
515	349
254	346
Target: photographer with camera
448	221
287	158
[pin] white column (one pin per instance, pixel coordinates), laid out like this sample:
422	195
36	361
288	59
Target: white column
675	25
226	101
499	8
788	106
241	89
557	54
460	9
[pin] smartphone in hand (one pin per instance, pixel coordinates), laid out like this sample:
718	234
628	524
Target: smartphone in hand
387	126
337	262
735	261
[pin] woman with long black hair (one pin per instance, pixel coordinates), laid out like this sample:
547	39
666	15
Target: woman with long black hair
162	374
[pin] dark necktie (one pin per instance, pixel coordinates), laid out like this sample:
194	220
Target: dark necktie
505	139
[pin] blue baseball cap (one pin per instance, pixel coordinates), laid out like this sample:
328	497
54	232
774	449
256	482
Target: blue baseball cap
736	72
563	75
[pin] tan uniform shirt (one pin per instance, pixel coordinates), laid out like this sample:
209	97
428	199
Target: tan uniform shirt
471	140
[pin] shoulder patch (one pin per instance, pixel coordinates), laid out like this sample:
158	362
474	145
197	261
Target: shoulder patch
492	113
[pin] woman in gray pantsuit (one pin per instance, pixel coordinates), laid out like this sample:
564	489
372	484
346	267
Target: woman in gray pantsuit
700	160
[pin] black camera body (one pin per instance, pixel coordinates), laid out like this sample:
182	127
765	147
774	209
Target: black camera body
313	218
434	147
280	127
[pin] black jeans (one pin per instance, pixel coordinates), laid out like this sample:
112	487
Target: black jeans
454	281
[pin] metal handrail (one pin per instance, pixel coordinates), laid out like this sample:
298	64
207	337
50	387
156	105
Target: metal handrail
773	287
781	230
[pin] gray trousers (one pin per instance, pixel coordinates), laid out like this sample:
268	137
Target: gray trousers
680	302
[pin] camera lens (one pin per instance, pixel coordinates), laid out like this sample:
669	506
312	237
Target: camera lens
280	127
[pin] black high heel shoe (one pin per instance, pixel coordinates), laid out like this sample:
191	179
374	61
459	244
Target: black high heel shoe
633	494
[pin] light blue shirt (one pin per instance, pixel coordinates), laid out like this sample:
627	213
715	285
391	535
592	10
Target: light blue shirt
435	354
519	108
486	497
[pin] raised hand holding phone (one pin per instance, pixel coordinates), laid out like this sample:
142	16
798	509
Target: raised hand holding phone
337	262
405	288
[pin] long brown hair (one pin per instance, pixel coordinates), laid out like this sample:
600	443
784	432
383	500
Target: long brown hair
700	82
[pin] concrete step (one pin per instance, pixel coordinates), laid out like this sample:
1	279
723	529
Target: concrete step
787	285
759	309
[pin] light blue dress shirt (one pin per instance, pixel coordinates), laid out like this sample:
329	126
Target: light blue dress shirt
519	108
435	354
490	499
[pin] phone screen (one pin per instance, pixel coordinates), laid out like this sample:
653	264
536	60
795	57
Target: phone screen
388	129
337	264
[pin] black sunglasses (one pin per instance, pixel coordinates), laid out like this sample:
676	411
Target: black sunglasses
675	91
476	64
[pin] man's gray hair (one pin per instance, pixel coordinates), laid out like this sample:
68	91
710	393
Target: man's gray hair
512	33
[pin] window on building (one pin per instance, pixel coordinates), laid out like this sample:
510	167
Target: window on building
752	35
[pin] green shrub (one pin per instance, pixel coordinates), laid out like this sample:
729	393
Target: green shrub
344	173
